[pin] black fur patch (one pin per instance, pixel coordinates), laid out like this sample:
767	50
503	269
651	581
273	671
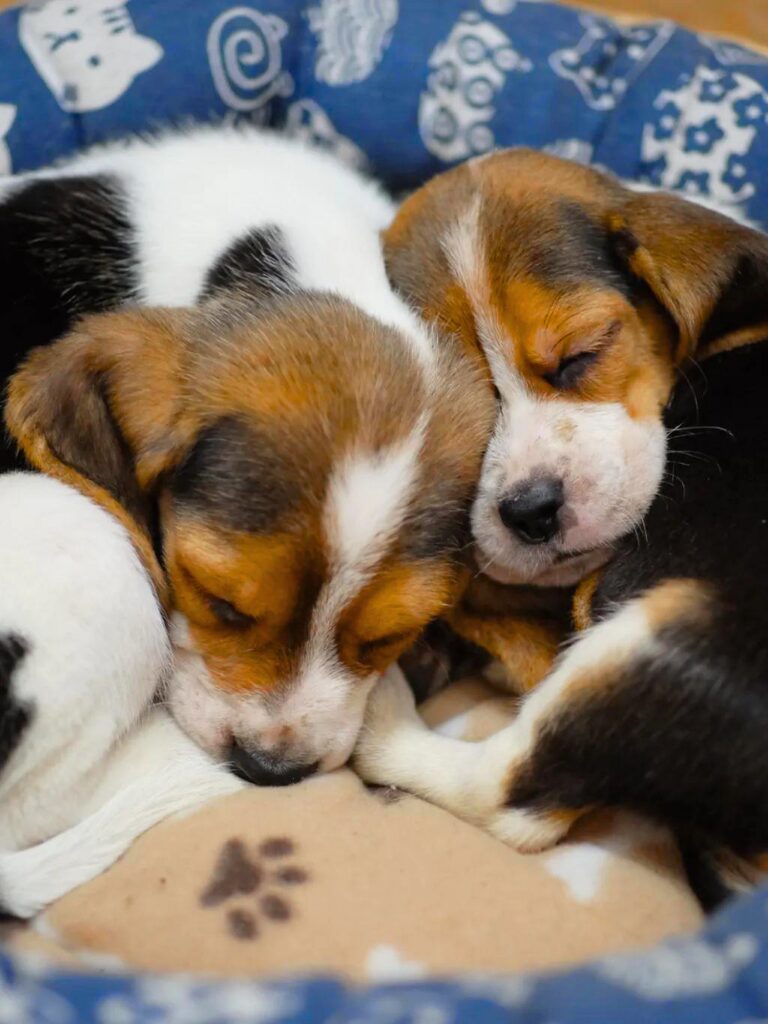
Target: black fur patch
743	301
440	657
14	717
257	262
584	250
681	735
440	528
234	475
66	248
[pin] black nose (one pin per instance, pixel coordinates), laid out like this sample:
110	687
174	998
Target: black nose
264	769
530	512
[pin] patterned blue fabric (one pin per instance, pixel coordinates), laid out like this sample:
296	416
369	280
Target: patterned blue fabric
406	87
719	977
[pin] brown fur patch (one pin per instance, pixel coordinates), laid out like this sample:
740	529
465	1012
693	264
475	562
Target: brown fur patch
526	647
388	615
581	613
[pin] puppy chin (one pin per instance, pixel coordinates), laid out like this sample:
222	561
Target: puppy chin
551	571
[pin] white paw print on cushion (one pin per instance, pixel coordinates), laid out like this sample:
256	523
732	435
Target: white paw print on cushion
467	71
87	52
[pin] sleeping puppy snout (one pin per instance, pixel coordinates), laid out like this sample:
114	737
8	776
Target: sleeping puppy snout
308	723
560	485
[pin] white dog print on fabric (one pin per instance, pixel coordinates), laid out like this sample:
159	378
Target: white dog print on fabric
352	36
245	53
702	134
306	120
86	51
690	968
467	71
607	58
7	117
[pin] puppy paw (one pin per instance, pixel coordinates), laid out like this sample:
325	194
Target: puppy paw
390	719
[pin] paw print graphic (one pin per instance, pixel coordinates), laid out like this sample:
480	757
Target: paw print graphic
252	886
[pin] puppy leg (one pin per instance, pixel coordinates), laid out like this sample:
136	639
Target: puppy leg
566	750
155	772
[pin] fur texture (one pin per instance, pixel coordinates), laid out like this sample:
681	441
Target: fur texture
87	765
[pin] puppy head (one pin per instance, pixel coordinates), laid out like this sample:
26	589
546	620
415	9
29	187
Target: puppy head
304	478
582	299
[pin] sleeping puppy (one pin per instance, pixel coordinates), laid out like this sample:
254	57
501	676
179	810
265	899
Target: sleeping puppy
294	457
585	299
85	766
582	299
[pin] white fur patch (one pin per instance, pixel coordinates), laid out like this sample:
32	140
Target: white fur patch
94	768
367	500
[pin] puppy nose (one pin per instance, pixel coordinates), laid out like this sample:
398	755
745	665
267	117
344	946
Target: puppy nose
531	511
263	769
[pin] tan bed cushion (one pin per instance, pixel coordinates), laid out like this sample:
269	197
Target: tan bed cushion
328	876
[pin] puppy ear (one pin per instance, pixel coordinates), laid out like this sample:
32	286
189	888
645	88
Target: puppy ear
100	411
709	272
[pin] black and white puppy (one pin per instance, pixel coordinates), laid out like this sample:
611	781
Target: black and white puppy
86	765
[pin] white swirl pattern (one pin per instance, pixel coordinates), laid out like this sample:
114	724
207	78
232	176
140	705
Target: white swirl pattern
246	59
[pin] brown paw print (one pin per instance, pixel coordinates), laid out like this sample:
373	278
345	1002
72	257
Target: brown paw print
238	874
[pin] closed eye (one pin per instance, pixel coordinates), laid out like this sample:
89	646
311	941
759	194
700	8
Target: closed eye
226	612
381	643
571	370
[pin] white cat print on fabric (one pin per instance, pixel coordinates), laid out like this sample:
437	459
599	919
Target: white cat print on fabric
245	53
7	117
306	120
87	52
352	36
467	71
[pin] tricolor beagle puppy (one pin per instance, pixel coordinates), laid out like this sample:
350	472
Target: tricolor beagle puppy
292	454
587	302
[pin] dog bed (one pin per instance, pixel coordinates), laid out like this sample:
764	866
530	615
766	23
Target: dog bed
328	877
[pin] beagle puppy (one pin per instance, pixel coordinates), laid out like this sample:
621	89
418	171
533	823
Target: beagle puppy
587	302
85	765
291	452
581	299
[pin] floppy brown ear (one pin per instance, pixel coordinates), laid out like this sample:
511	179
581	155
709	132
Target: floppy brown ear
709	272
99	410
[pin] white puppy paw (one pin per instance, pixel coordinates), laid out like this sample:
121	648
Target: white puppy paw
391	719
